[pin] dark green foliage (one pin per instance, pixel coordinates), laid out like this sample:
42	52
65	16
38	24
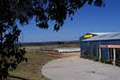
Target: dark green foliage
117	63
95	59
10	55
107	61
42	10
91	58
21	12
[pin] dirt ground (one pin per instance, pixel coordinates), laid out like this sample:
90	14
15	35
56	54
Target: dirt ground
38	56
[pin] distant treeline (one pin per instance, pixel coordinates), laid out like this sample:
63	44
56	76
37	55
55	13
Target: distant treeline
48	43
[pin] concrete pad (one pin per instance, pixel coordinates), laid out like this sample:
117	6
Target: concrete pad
75	68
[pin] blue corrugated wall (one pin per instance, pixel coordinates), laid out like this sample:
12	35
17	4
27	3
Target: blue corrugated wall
91	47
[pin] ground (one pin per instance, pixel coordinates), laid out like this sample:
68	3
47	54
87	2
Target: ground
75	68
37	56
31	70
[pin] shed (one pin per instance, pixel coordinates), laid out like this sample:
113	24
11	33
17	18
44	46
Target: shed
104	46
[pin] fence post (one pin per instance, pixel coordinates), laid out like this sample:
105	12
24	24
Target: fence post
114	56
99	54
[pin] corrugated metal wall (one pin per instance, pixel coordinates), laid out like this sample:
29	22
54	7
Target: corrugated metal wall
90	48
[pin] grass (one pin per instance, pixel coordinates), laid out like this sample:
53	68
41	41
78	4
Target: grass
31	70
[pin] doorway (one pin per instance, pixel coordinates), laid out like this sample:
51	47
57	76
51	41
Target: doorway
110	53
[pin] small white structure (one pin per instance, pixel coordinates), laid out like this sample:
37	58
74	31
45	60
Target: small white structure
66	50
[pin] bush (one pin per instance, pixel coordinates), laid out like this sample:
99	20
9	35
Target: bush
107	61
117	63
96	59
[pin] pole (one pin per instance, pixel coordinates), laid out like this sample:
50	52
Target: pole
99	54
114	56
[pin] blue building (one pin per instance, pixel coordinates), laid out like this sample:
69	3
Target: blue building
104	46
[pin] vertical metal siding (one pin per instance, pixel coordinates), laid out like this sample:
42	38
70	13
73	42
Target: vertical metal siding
104	53
92	47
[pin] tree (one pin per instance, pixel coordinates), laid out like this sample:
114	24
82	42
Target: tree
14	12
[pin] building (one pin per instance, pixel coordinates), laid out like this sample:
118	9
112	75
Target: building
104	46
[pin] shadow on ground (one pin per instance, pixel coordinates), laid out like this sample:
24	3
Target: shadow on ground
16	78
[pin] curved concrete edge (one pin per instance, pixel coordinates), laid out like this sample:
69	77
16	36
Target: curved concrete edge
53	62
47	66
76	68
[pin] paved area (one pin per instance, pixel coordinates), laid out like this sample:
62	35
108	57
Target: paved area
75	68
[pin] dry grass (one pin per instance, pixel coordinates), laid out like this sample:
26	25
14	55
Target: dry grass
32	69
36	59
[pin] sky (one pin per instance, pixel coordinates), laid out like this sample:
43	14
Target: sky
87	19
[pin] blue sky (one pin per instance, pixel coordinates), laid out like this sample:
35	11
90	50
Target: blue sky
87	19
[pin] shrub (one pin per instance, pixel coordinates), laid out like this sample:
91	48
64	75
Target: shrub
107	61
117	63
